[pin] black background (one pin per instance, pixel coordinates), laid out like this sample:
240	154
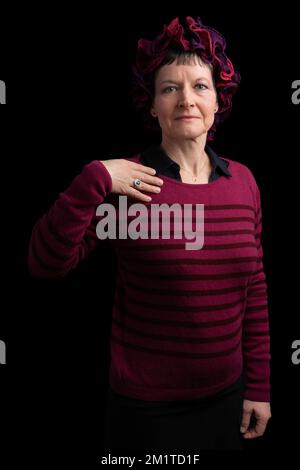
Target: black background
68	81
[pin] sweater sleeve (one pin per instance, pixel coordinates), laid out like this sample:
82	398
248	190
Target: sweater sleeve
256	339
66	233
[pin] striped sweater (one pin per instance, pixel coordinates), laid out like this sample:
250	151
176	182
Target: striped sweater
185	323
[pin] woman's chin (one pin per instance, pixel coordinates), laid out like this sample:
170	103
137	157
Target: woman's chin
190	134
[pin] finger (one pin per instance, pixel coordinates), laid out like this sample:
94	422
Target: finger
148	187
245	421
251	434
149	179
143	168
260	426
136	194
257	431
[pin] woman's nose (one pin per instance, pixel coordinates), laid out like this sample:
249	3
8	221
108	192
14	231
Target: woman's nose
185	100
185	104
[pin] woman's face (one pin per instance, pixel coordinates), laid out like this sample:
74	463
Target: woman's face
185	100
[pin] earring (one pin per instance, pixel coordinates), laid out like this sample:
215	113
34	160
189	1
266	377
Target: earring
153	113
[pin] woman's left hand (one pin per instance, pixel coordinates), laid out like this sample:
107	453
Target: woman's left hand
260	412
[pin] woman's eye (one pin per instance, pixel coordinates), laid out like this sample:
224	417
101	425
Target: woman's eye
201	86
173	88
169	89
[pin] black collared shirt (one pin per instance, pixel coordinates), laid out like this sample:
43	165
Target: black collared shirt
156	158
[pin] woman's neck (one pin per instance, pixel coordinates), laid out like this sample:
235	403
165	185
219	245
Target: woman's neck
190	156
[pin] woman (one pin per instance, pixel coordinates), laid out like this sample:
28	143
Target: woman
190	338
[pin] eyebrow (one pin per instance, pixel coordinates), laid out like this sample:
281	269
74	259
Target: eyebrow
178	83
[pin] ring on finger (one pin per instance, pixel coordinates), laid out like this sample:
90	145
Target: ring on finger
137	183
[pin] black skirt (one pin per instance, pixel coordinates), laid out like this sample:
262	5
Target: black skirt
174	426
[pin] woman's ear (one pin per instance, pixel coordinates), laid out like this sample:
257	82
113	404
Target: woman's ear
216	107
153	113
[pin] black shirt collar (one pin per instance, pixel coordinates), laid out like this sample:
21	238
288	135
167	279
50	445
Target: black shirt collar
156	158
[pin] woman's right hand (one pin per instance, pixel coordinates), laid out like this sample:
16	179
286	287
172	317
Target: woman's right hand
123	172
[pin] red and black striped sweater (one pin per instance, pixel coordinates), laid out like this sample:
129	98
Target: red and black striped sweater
185	323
